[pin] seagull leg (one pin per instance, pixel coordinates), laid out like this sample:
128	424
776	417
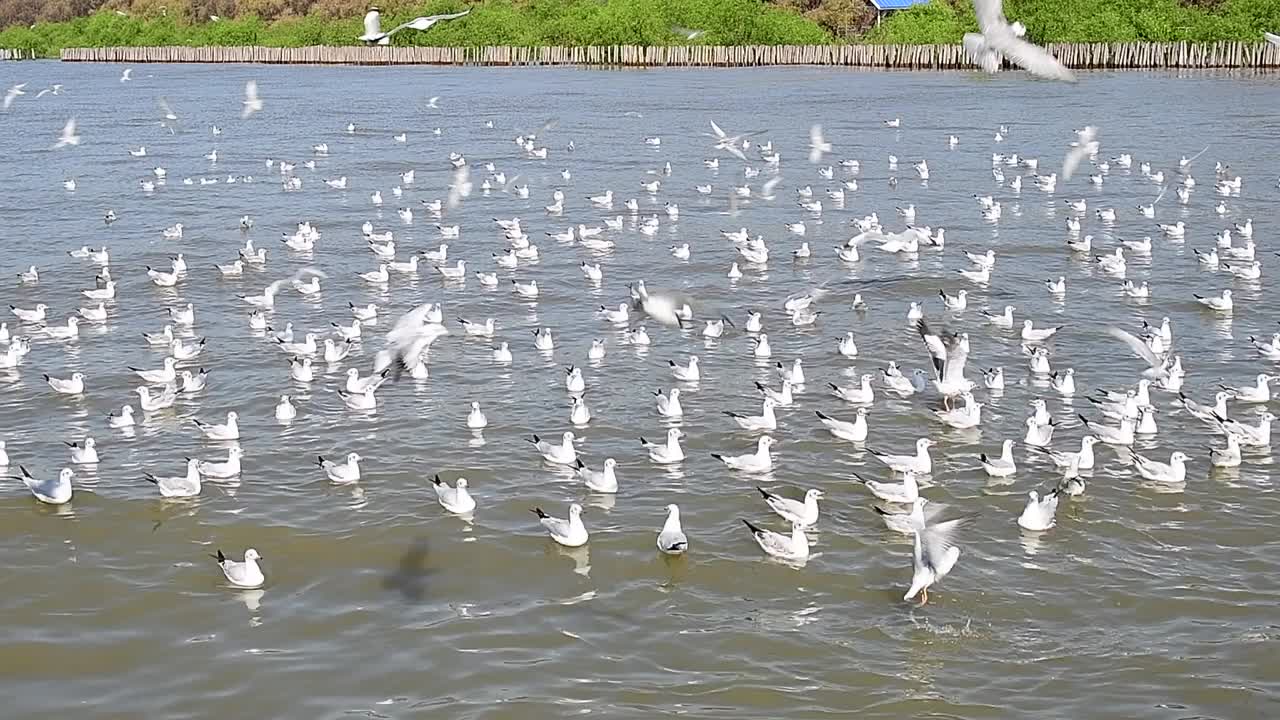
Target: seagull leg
924	597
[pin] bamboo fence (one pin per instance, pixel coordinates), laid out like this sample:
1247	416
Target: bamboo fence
16	54
907	57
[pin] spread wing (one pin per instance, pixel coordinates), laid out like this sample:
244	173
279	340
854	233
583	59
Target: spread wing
1138	347
423	23
1074	157
953	370
936	347
990	15
1029	56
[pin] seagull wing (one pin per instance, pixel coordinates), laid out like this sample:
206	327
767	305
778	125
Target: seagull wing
937	348
1138	347
953	368
1029	56
1272	38
1074	157
716	129
990	15
423	23
936	542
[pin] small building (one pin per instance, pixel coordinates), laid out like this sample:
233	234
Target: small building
885	6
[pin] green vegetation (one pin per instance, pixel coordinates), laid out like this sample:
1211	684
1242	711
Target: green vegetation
497	22
295	23
943	21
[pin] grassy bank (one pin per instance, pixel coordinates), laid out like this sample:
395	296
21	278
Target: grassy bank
943	21
498	22
529	23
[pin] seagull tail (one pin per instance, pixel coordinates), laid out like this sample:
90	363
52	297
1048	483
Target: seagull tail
752	528
538	511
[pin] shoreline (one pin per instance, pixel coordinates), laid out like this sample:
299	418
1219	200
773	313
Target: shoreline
1082	56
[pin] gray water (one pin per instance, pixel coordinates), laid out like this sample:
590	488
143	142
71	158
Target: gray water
1142	603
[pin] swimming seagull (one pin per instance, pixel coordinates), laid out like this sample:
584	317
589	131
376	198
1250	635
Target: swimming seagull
793	547
671	539
562	453
1038	515
998	36
1174	472
179	486
601	481
342	473
54	492
246	575
795	511
571	532
454	499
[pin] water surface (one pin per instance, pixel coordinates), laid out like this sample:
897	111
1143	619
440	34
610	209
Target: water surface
1139	604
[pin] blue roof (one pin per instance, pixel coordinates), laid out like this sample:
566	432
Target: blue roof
896	4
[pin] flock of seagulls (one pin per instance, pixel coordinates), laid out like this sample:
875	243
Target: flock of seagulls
375	345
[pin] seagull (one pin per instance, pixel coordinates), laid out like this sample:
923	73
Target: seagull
669	404
1081	460
454	499
342	473
563	453
1085	146
765	421
252	103
671	539
904	492
180	486
84	453
759	461
919	463
373	26
793	547
1249	435
803	512
949	352
601	481
1227	457
670	452
68	135
229	430
1038	515
933	555
1002	466
222	469
245	575
569	533
1174	472
1000	37
54	492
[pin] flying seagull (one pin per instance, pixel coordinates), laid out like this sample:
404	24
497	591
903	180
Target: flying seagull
687	33
373	25
999	39
252	103
68	136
